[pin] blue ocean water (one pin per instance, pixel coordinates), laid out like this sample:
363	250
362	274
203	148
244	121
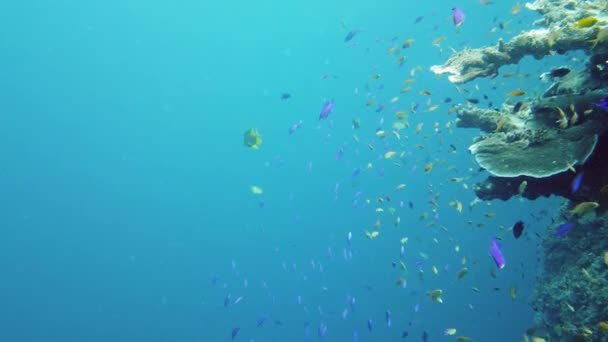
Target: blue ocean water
125	186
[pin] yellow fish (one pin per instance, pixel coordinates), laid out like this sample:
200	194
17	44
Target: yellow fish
463	339
432	108
601	36
457	204
586	22
583	208
438	40
407	43
522	187
513	292
516	92
538	339
435	295
435	270
372	235
428	167
606	258
389	154
552	37
603	326
252	138
256	190
381	134
449	332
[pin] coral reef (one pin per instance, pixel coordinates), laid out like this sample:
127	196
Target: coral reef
572	292
537	146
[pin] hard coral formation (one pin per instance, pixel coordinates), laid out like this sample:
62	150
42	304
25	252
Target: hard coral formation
559	151
559	34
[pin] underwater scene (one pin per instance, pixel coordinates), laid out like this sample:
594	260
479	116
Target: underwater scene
304	171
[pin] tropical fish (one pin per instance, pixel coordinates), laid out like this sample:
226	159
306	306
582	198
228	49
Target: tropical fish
513	292
435	295
234	332
462	273
351	34
583	208
457	16
252	138
516	92
601	36
563	229
522	187
295	127
449	332
327	108
576	183
285	96
518	229
256	190
586	22
497	255
603	104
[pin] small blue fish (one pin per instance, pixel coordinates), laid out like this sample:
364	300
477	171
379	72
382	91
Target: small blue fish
227	300
425	336
235	331
387	315
603	104
563	229
351	34
285	96
295	127
322	329
260	322
356	172
576	183
496	253
327	108
369	325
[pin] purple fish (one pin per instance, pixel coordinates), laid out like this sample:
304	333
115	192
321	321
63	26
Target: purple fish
576	183
603	104
563	229
327	108
499	259
457	16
